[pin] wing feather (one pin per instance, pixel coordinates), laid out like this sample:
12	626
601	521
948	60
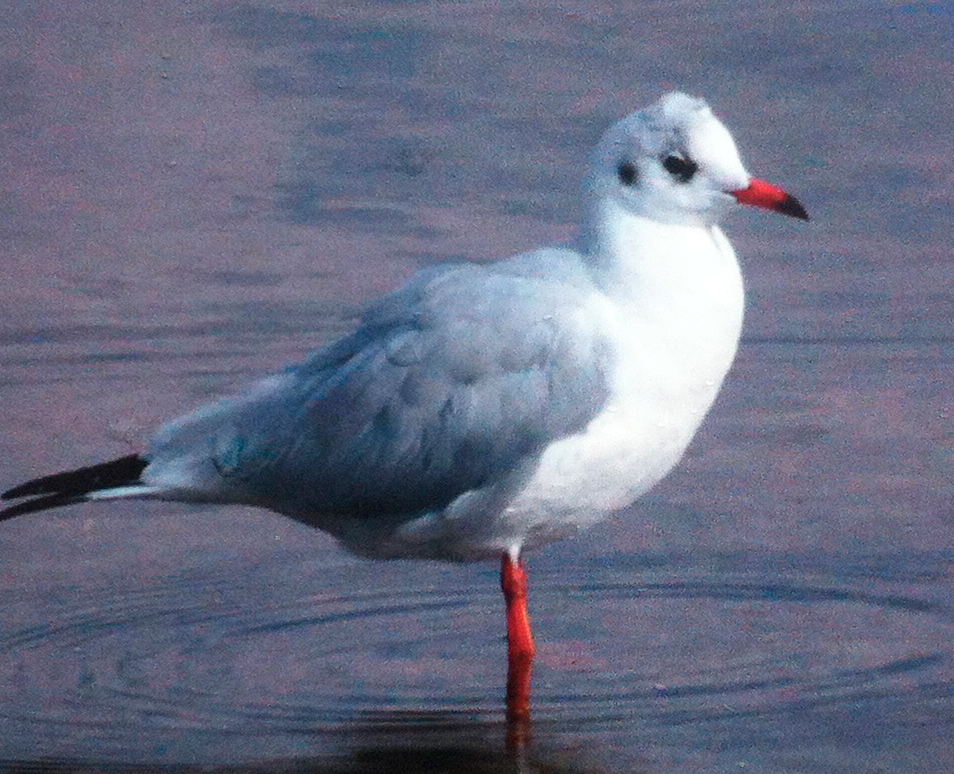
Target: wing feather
464	374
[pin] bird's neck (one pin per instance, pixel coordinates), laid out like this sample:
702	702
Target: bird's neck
678	286
634	257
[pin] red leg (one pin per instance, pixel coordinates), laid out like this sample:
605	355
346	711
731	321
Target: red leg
520	647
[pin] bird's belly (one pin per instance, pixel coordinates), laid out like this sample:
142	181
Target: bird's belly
582	479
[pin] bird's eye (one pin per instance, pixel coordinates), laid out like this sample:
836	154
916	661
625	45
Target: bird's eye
680	168
626	172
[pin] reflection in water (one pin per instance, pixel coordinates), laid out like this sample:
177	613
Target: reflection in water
387	743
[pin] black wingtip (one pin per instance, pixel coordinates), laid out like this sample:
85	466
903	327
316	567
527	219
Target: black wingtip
124	470
72	486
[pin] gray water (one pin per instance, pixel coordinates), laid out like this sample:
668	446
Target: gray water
192	194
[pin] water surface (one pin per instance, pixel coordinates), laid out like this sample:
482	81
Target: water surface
192	195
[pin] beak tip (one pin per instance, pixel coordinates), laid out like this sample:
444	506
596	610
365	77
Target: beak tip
793	207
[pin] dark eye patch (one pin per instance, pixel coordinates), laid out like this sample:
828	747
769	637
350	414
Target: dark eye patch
626	172
680	168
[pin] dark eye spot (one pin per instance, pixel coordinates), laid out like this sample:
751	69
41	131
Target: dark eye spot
680	168
626	172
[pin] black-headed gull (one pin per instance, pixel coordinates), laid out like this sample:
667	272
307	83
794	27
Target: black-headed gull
483	410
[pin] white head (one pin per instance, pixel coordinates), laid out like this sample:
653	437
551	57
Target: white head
674	162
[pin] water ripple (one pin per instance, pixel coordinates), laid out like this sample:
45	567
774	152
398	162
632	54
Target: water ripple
240	663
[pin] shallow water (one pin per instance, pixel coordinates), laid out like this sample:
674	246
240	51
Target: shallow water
192	196
715	660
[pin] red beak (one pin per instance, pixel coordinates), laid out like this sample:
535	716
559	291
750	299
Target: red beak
762	194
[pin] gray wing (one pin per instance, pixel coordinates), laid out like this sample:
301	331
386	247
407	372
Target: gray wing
459	377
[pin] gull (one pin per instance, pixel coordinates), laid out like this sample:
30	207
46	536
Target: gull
483	410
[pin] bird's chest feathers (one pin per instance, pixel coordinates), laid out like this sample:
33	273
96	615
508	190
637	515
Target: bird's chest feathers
674	329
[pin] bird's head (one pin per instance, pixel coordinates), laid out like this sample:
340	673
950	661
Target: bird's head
675	162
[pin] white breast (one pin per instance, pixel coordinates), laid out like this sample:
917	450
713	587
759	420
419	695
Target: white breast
674	318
